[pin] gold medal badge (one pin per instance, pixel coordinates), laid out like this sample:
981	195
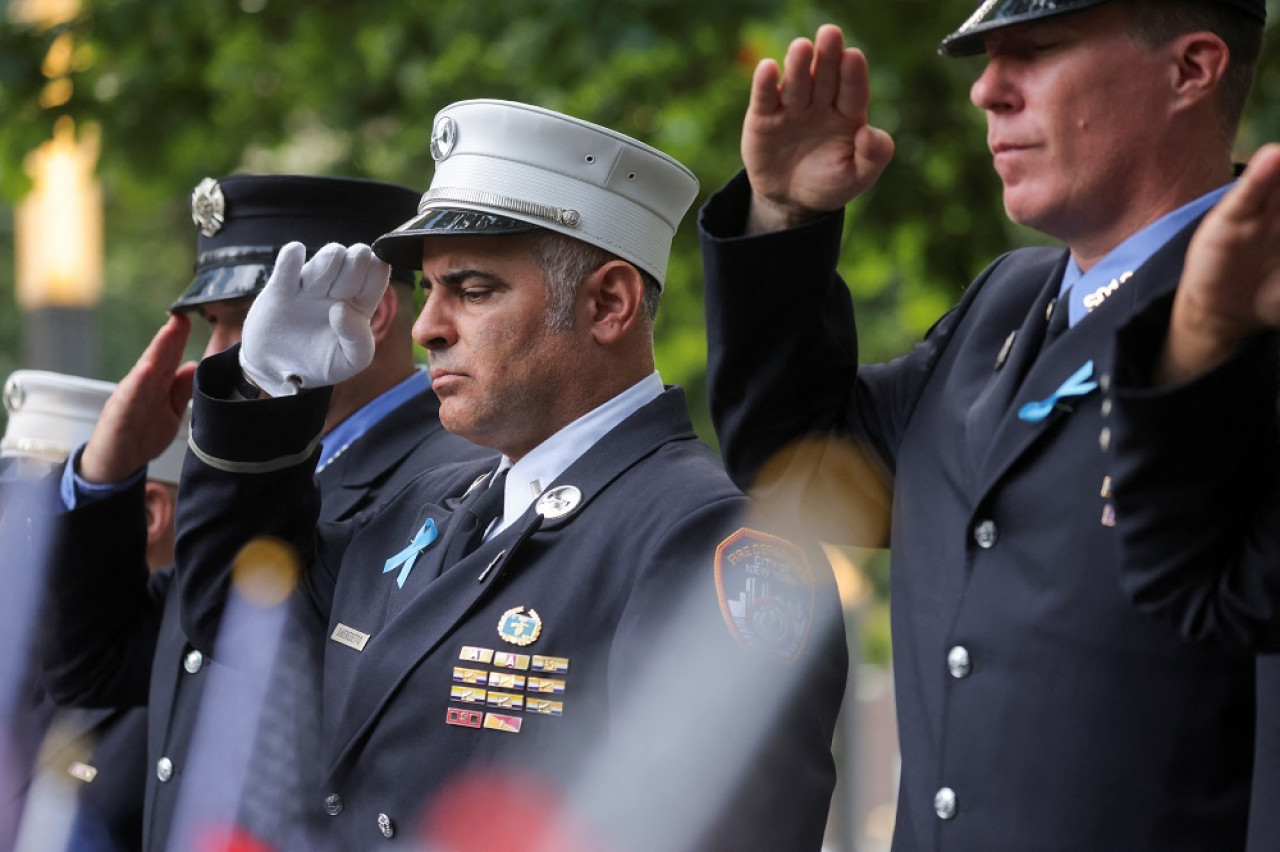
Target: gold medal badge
520	629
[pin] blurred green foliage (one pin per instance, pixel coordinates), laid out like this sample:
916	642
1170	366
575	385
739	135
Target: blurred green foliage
185	90
181	91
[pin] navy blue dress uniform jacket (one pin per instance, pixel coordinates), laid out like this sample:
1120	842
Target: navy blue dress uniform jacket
1201	502
631	697
113	637
1038	707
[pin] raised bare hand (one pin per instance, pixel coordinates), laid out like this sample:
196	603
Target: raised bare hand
1230	285
143	413
806	143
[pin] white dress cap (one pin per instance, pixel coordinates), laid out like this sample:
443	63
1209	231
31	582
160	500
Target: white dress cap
50	414
522	165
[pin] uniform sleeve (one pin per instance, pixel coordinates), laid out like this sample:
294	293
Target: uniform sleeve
249	476
797	418
102	606
727	676
1197	496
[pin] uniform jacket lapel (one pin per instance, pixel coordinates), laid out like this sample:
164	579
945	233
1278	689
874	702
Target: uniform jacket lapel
346	482
359	686
1091	339
1011	368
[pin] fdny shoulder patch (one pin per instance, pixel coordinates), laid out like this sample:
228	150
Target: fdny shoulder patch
766	592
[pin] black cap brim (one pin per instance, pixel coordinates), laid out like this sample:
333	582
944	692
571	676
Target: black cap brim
221	283
239	271
968	40
403	246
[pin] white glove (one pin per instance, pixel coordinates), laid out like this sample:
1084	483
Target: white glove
309	327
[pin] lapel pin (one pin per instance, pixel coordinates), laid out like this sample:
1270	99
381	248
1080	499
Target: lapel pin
558	502
1006	349
475	483
520	629
492	564
404	559
1077	384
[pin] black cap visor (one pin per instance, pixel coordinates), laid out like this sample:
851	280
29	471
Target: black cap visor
403	246
994	14
235	271
221	283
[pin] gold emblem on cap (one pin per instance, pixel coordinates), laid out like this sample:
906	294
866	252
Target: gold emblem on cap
208	207
558	502
443	137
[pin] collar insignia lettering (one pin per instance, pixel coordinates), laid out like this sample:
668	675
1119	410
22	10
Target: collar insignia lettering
1097	297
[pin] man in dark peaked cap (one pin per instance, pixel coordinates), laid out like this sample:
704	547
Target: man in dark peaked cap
1056	688
380	429
590	631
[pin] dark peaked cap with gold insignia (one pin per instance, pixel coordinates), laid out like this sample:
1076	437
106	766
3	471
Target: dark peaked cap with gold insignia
244	220
994	14
504	168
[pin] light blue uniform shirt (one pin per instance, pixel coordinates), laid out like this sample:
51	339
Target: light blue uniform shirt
1129	255
349	431
530	476
78	492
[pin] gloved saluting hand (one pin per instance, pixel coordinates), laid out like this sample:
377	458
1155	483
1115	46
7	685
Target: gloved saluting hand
309	327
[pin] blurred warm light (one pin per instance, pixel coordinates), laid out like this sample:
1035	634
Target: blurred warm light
265	571
43	13
56	93
59	224
852	583
57	61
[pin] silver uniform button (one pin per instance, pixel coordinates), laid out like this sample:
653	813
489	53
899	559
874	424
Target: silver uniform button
985	534
193	662
958	662
333	804
164	769
1104	438
386	826
944	803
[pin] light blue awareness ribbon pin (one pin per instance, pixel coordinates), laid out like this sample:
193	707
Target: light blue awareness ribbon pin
404	559
1076	385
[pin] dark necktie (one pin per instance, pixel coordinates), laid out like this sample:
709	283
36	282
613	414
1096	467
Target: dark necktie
1058	319
473	518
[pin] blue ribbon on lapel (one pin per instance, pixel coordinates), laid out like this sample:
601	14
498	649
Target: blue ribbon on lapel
404	559
1077	385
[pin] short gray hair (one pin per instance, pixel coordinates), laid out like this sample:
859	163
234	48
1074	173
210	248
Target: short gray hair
566	263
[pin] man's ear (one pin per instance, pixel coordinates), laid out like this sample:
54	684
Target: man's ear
160	511
1201	60
615	300
384	315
